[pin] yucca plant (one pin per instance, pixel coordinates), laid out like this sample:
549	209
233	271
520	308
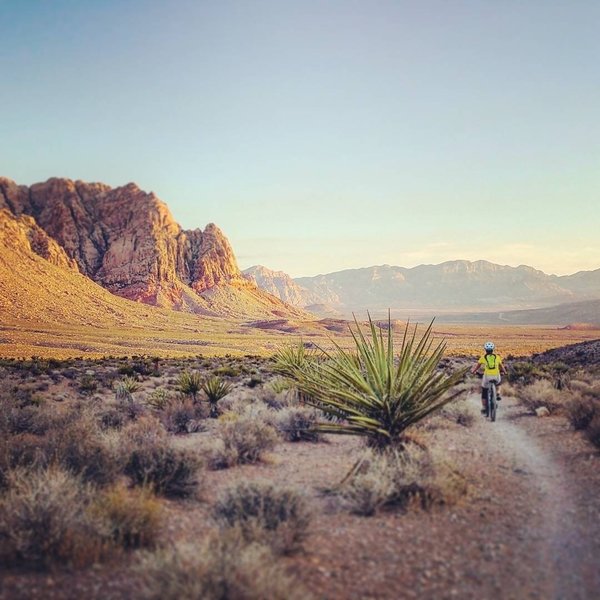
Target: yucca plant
190	383
124	389
372	391
215	389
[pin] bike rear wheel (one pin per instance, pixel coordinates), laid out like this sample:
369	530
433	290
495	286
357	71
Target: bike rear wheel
492	401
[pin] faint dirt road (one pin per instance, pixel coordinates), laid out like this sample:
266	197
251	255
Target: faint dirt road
552	505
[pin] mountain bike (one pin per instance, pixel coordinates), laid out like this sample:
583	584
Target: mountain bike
492	400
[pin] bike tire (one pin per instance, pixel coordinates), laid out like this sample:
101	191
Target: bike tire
492	401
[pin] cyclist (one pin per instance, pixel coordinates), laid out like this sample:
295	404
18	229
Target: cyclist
493	366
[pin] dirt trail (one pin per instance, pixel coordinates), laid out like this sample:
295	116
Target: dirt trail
550	505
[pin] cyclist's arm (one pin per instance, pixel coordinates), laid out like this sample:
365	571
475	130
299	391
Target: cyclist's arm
475	368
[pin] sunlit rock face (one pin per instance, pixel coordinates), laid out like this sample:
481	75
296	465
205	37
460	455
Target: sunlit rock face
124	239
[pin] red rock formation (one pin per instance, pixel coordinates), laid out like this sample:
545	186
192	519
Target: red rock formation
127	241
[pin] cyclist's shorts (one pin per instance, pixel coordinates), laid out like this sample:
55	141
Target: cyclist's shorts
487	378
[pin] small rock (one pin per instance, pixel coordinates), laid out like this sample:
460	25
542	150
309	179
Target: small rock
542	411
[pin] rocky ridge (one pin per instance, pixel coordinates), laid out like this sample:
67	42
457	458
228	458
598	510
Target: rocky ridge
127	241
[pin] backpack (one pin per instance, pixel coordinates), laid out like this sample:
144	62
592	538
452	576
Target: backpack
487	362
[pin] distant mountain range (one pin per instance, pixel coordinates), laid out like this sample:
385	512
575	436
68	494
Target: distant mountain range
125	241
451	287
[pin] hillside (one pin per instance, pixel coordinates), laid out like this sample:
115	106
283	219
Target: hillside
127	241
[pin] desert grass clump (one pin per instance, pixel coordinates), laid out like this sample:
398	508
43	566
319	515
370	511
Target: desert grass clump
152	461
241	439
215	389
399	479
298	424
371	391
221	567
592	431
264	513
133	515
45	521
190	383
541	393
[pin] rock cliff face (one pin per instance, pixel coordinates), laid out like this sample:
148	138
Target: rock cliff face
124	238
127	241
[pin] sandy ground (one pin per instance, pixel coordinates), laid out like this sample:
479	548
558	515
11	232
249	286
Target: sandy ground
529	526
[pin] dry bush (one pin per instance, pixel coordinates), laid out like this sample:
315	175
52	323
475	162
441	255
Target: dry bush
298	423
264	513
240	439
151	460
222	567
182	415
134	515
580	412
401	478
44	521
592	432
81	448
541	393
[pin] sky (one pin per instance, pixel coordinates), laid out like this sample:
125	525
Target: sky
322	135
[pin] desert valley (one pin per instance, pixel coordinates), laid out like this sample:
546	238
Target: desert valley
159	439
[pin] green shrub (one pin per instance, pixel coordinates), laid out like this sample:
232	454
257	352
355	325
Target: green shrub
264	513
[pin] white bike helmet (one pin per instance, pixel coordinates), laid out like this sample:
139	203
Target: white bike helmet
489	346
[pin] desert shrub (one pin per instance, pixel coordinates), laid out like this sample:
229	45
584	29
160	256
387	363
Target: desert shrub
88	384
222	567
524	373
158	399
152	461
394	478
592	432
541	393
580	412
133	515
112	418
278	385
21	450
44	520
241	440
227	371
190	383
298	423
181	415
80	448
370	391
264	513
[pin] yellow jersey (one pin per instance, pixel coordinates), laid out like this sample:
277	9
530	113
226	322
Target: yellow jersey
492	363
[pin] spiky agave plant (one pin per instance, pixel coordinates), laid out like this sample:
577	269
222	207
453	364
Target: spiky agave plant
377	393
125	388
190	383
215	389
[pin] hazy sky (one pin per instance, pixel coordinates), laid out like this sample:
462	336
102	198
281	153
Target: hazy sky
322	135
